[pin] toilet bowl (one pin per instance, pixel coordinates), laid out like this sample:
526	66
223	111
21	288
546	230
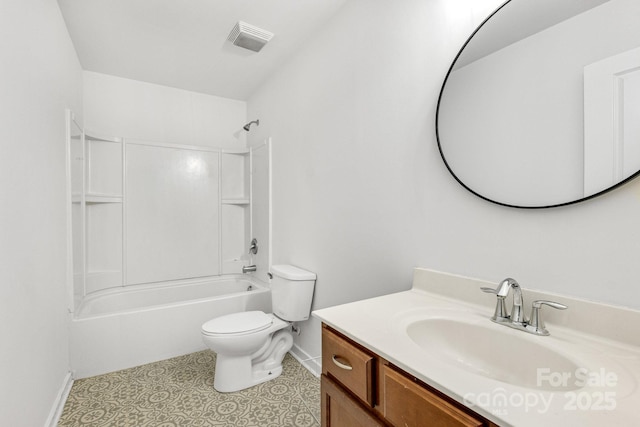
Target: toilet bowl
251	345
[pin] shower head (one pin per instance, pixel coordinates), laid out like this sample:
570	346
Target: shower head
248	125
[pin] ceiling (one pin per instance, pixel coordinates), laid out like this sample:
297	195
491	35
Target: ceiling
183	43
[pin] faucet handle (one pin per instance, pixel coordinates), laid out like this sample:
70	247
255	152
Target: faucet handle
536	324
501	308
540	302
253	249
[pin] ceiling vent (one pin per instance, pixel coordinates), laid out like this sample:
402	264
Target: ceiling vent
249	36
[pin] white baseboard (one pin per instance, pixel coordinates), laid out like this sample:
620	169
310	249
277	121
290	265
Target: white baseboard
58	404
313	364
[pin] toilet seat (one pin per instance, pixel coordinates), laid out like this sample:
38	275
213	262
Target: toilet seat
245	322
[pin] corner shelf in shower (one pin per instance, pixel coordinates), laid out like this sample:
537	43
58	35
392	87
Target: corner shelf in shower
95	198
94	136
241	202
103	198
235	201
98	201
239	151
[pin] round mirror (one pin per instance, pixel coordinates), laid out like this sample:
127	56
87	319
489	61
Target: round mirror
541	106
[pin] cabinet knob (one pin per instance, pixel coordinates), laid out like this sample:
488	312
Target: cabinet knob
341	362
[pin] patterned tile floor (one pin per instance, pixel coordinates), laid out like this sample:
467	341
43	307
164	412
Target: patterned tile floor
179	392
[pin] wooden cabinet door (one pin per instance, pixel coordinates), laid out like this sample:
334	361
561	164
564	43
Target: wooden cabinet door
408	404
339	409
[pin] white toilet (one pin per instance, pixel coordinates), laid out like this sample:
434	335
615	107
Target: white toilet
250	345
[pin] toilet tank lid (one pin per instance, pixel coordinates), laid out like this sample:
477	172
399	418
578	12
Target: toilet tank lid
292	273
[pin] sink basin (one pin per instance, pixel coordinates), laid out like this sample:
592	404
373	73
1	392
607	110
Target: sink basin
494	351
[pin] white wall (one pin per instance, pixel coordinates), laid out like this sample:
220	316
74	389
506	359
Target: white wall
361	195
40	76
139	110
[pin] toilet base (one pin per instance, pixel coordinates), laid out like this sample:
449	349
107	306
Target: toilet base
234	373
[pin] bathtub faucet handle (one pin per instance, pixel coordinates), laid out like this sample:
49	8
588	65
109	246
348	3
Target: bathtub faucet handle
253	249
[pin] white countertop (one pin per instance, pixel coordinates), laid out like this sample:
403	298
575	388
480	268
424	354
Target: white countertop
611	398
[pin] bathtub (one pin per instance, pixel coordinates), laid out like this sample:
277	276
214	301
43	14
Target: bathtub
125	327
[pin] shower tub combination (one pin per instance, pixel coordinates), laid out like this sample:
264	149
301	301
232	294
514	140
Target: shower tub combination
125	327
126	307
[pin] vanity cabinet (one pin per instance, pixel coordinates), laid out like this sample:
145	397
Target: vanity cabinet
360	388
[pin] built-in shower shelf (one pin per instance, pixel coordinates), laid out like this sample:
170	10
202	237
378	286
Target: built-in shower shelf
94	198
90	135
235	201
103	198
239	151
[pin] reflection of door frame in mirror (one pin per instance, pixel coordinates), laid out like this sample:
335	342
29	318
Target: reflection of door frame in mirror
605	144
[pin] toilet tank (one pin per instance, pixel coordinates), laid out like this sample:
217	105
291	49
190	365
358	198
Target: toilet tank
292	292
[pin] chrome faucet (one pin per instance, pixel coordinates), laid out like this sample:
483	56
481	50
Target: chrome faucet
517	319
248	268
502	291
517	315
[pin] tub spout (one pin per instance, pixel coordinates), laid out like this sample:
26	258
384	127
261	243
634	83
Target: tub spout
248	268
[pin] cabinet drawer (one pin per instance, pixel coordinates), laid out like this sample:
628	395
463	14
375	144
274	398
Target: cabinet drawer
409	404
349	365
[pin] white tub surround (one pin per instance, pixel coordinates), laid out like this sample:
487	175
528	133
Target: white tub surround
605	340
119	329
148	212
